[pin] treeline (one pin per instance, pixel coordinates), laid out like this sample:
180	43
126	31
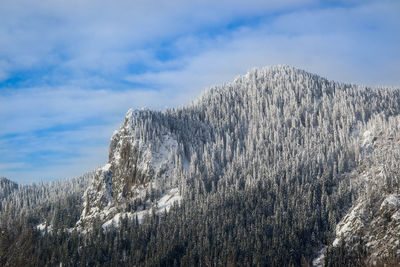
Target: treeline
43	202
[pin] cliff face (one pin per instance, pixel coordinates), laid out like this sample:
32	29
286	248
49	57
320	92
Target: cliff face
372	224
135	161
136	164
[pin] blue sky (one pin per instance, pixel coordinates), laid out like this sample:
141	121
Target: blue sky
69	70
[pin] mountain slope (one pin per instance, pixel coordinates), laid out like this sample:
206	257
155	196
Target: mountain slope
276	125
263	171
372	225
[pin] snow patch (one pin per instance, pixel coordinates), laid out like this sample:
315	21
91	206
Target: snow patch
117	218
42	227
166	202
391	202
106	167
163	204
367	138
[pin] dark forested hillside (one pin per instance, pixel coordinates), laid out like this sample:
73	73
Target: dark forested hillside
264	170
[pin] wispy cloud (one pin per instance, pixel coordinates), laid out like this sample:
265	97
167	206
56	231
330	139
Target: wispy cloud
69	70
89	38
64	130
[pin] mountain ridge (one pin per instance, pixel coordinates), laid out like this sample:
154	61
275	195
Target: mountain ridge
289	153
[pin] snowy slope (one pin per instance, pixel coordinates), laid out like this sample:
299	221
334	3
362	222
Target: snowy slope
162	205
374	219
301	128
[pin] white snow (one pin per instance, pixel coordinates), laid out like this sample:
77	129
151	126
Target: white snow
351	221
158	157
367	138
166	202
163	204
42	227
106	167
319	260
117	218
391	202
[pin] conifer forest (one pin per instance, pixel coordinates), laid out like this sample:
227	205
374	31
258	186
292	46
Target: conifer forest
279	167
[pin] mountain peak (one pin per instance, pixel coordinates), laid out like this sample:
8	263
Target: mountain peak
290	146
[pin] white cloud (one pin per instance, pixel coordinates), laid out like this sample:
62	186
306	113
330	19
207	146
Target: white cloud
355	44
106	36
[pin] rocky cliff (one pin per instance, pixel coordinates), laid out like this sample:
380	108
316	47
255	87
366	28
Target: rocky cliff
138	165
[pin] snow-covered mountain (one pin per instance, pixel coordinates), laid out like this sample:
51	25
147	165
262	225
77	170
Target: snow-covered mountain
279	167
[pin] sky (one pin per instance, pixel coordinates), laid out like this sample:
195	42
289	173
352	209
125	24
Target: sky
71	69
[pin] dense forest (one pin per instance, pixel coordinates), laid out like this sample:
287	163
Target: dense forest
267	166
